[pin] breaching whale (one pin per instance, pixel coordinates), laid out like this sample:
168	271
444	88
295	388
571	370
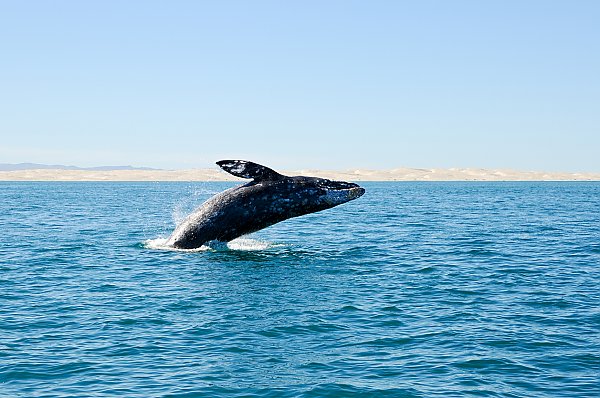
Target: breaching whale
268	199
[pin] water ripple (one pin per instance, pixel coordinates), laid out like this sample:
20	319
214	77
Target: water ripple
415	290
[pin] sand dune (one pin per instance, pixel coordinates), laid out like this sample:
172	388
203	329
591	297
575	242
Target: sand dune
399	174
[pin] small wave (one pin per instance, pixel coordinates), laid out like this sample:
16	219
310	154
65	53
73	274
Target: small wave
239	244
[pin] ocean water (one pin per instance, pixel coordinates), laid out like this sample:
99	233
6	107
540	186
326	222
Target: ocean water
414	290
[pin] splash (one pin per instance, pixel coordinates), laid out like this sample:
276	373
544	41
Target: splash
181	211
239	244
161	244
189	203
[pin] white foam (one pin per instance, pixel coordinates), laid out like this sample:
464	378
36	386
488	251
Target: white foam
161	244
248	244
239	244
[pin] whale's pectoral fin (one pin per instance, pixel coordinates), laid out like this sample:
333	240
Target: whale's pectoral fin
245	169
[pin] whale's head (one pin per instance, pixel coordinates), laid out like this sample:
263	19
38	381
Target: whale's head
337	192
320	193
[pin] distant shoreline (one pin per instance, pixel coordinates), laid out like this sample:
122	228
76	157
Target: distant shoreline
399	174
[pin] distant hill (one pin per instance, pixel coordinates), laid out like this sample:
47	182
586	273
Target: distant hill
37	166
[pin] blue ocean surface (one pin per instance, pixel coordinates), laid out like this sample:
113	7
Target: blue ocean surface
414	290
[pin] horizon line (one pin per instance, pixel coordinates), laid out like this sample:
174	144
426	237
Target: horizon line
26	166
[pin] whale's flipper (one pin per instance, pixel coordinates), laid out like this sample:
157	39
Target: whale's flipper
245	169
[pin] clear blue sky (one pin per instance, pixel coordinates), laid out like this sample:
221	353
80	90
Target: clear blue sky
302	84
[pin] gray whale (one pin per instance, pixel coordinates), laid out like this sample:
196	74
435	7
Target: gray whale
268	199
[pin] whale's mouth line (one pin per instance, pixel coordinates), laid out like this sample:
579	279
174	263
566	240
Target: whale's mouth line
356	192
